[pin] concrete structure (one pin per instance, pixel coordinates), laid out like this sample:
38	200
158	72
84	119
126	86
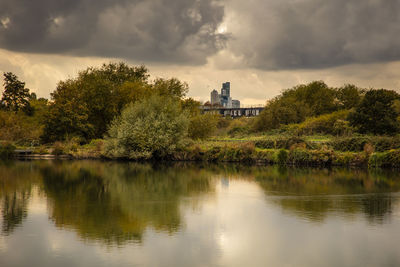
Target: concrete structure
234	112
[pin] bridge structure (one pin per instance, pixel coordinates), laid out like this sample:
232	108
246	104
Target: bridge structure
233	112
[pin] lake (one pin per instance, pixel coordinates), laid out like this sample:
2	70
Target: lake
94	213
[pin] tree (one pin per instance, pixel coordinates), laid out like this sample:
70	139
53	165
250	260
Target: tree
191	106
151	128
94	98
348	96
85	106
294	105
376	113
203	126
15	95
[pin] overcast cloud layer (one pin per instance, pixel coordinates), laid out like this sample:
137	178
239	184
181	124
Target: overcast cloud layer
264	34
261	46
298	34
182	31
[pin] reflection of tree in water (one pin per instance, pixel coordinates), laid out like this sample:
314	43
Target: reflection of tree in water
377	207
15	191
118	202
314	193
14	210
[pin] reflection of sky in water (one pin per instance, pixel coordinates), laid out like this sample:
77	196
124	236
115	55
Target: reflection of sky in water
239	224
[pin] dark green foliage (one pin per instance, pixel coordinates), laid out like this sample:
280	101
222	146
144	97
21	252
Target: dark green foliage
242	152
84	106
15	96
6	150
307	100
297	103
348	96
357	143
282	156
202	126
389	158
282	143
376	113
321	157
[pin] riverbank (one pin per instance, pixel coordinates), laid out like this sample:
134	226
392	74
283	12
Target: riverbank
360	151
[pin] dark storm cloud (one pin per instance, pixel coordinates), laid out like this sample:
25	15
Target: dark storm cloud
149	30
298	34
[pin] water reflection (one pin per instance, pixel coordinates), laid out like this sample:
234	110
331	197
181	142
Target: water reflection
315	193
116	202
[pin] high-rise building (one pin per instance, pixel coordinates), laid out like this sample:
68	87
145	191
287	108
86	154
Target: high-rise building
226	87
215	99
224	99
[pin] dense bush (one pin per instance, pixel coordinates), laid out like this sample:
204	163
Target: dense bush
152	128
282	156
296	104
389	158
357	143
303	157
202	126
283	143
334	123
376	114
18	127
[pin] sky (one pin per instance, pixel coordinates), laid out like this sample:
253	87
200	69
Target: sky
260	46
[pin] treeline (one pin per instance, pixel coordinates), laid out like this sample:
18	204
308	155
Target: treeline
315	108
134	117
138	118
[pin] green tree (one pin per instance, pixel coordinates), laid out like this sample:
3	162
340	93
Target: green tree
151	128
348	96
85	106
203	126
15	95
191	106
376	113
294	105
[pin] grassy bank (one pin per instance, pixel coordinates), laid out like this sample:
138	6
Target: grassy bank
361	151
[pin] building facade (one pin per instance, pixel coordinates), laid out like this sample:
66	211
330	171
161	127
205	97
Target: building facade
224	99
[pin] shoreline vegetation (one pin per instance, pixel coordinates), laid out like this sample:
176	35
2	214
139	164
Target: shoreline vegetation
116	112
292	151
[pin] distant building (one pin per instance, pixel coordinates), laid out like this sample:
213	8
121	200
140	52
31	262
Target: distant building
224	99
215	99
235	104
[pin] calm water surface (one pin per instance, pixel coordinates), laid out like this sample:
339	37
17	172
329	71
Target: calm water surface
91	213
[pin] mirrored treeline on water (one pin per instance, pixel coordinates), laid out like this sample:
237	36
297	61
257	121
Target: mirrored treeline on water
117	204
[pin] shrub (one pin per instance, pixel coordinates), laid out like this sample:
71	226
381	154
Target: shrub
152	128
239	127
282	143
320	157
357	143
376	113
333	123
389	158
282	156
202	126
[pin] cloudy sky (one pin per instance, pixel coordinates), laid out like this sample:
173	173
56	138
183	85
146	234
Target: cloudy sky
261	46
